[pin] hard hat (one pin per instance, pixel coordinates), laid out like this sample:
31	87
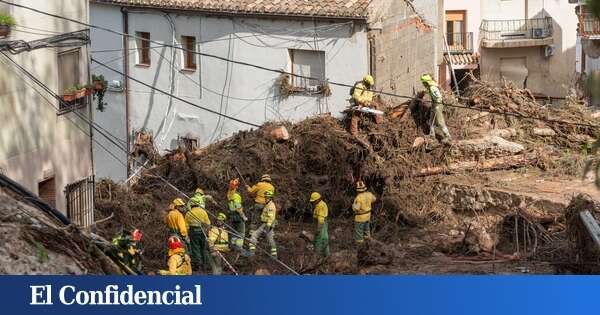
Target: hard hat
137	235
178	203
265	178
315	196
221	216
199	191
268	194
360	186
234	183
427	79
368	79
175	242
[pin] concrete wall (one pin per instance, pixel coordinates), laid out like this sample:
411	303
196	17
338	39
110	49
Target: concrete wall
473	10
552	76
244	92
407	42
36	143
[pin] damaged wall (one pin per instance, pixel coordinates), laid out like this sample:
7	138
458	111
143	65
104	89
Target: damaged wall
406	41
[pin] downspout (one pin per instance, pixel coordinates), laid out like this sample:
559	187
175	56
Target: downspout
126	83
90	109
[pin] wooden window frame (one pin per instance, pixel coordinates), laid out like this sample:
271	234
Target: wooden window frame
143	49
189	44
65	107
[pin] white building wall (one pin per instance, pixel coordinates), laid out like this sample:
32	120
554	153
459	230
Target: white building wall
246	93
473	11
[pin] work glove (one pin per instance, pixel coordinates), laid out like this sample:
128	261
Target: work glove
244	217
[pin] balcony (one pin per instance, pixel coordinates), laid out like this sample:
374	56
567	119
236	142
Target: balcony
460	43
516	33
589	26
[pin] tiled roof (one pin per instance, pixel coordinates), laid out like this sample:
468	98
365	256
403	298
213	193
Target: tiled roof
355	9
464	59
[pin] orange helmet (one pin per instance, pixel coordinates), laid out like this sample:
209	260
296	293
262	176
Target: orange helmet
175	242
234	183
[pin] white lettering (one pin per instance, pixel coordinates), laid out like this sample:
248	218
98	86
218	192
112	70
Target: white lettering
61	294
140	298
165	299
38	291
198	295
82	297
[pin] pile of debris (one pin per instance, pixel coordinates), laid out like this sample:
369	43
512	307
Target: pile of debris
318	154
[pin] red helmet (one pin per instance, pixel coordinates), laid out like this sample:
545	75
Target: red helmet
234	183
137	235
175	242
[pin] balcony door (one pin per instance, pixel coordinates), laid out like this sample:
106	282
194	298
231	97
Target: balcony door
456	29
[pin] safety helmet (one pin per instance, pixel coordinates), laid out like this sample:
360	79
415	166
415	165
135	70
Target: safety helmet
269	194
221	216
234	183
265	178
426	79
368	79
360	186
199	191
175	242
177	203
137	235
315	196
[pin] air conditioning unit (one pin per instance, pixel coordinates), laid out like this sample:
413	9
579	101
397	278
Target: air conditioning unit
537	32
549	51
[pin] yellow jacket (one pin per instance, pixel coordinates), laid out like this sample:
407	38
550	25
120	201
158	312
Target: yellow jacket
196	217
320	212
435	94
176	222
218	239
362	206
179	263
259	191
268	214
362	95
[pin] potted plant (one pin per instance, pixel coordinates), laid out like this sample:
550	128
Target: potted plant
89	89
100	86
6	22
69	94
81	91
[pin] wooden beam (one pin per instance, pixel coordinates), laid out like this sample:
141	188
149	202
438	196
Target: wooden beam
591	225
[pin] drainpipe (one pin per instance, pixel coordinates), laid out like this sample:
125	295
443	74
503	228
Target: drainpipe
126	83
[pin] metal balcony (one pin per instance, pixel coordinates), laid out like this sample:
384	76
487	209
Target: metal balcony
516	33
460	43
589	26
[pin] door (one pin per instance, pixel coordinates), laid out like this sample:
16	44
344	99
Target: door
47	191
456	29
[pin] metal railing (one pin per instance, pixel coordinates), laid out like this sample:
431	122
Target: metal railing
80	202
500	30
588	25
460	42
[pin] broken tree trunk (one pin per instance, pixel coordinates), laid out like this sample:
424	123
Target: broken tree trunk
490	145
486	165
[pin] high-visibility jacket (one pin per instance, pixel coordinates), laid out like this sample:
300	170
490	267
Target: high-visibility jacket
234	200
435	94
362	206
197	217
176	222
198	200
320	212
269	213
361	94
179	263
218	239
259	191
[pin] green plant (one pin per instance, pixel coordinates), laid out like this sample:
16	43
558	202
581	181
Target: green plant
98	78
99	93
7	20
42	253
71	90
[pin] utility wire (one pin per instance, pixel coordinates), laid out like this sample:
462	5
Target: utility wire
286	73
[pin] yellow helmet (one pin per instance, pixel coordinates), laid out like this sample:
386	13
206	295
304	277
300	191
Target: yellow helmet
315	196
199	191
368	79
360	186
177	203
426	79
221	216
265	178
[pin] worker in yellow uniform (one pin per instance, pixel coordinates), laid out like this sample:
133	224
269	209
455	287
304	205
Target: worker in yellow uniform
236	213
268	221
362	213
199	199
218	241
320	213
199	223
362	96
179	261
258	190
175	220
437	108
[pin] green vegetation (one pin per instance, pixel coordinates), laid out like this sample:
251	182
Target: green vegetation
7	20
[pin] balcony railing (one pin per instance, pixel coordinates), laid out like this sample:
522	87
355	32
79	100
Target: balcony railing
507	30
460	42
588	25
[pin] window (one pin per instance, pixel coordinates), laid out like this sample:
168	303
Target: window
68	76
190	144
80	202
455	27
308	63
47	191
189	54
143	48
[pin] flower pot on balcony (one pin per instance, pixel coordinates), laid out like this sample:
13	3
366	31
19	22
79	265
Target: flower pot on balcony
4	30
69	97
81	93
99	85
